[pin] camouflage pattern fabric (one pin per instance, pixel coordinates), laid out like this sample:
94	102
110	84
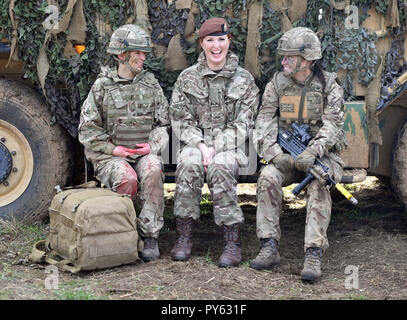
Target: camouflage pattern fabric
300	41
222	182
108	95
328	140
112	102
112	172
216	108
129	37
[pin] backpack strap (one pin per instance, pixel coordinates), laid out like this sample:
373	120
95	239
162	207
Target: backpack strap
39	255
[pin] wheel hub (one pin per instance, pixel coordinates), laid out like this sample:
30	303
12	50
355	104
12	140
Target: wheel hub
16	163
6	162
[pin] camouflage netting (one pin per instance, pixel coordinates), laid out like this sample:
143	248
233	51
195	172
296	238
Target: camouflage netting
65	77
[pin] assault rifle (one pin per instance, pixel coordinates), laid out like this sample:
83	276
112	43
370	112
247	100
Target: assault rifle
295	142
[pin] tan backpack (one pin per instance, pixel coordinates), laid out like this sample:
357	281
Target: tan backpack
90	228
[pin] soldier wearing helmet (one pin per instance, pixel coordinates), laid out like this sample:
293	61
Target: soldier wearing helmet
124	126
301	93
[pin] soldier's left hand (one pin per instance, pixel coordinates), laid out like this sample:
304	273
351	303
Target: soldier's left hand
305	160
143	148
207	154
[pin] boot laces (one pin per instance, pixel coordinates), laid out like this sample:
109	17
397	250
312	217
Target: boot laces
313	257
232	243
181	242
149	243
268	248
184	227
231	247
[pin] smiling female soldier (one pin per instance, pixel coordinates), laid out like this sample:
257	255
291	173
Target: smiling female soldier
212	109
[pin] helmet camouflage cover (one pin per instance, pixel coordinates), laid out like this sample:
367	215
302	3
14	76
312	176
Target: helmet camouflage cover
300	41
129	37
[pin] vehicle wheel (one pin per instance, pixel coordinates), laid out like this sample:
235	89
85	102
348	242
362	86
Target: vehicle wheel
34	154
399	165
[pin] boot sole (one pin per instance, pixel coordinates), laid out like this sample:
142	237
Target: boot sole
225	265
309	278
175	258
264	268
149	259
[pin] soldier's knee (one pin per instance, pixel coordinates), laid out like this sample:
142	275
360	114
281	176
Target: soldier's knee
188	170
153	176
318	190
128	184
267	181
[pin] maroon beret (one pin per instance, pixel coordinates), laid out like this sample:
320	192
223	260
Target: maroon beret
213	27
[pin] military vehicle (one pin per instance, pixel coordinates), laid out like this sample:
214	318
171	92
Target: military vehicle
51	52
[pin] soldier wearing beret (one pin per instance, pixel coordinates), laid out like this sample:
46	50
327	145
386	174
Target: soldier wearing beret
212	109
124	126
302	93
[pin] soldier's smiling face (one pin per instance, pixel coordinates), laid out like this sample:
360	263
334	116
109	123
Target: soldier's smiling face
136	59
290	63
216	49
294	64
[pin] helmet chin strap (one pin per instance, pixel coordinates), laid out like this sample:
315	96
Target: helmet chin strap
127	63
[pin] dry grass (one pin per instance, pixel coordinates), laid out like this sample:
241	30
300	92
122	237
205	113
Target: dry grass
372	237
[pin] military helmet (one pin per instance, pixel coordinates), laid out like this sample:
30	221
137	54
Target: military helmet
300	41
129	37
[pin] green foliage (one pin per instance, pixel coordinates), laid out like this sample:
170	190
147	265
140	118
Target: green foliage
116	11
75	295
5	23
381	6
165	78
69	79
354	51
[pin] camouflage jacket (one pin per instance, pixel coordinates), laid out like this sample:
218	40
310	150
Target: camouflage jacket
109	99
217	108
323	111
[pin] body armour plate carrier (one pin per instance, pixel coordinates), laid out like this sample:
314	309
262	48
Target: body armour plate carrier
129	110
289	95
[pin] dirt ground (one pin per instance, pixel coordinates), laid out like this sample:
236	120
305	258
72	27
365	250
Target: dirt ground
366	259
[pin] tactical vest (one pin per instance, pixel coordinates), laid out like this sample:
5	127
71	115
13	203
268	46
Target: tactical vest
129	111
311	109
314	100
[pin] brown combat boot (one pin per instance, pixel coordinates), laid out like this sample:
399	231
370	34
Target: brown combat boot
268	255
312	265
231	255
183	245
150	251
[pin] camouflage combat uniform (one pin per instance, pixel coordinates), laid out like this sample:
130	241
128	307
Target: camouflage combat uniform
324	113
216	108
121	112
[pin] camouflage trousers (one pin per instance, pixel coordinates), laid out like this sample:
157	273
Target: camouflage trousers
221	178
116	171
318	204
